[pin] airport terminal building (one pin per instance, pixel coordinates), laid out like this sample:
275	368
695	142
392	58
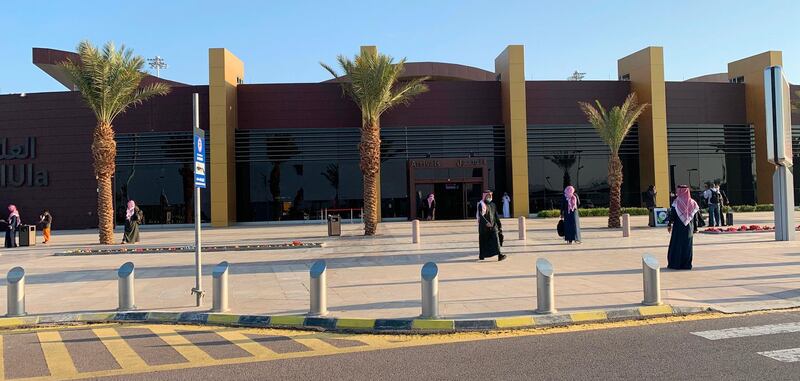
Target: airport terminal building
282	152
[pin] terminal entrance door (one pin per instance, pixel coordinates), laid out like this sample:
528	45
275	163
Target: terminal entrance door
457	185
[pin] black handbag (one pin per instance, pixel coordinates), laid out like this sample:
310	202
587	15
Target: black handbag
560	228
501	238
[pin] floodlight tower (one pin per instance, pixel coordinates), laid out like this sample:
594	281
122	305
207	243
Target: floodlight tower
157	63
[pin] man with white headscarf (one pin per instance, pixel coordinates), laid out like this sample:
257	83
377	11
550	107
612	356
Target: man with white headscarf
489	228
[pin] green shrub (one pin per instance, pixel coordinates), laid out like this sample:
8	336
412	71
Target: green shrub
592	212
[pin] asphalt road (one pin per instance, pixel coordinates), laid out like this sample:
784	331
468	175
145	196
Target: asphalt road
670	351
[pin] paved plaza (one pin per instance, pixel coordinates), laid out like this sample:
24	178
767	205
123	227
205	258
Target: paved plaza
378	277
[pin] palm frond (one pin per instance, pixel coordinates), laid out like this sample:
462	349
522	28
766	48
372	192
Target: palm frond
109	79
613	125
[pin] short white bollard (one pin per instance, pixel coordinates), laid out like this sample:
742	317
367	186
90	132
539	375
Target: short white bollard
16	292
626	225
319	293
220	287
545	287
415	233
523	229
430	291
651	277
125	276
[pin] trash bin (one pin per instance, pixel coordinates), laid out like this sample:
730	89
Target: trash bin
27	235
334	225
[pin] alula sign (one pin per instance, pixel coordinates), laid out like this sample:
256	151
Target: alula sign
16	168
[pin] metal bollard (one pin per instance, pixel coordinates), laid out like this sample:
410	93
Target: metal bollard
125	277
16	292
523	229
415	234
220	287
430	291
626	225
319	293
545	287
651	277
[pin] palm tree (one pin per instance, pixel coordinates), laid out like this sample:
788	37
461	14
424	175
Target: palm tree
612	126
564	160
109	81
372	82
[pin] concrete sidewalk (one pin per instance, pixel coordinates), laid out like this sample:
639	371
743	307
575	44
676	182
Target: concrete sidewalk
379	277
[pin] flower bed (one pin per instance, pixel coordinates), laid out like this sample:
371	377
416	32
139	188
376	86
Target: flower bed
189	249
740	229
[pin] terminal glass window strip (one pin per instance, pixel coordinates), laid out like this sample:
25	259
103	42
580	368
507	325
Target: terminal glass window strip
560	155
296	174
796	161
701	153
156	171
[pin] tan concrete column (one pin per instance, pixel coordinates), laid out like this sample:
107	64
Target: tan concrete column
750	71
510	66
225	72
645	70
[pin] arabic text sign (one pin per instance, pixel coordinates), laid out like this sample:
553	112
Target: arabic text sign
199	159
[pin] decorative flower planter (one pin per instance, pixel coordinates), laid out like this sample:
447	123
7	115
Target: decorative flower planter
190	249
741	229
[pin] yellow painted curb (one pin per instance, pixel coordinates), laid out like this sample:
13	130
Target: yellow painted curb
163	316
655	310
11	322
511	322
433	324
222	319
588	316
296	321
355	323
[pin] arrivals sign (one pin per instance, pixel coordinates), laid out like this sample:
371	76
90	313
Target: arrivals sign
778	110
199	158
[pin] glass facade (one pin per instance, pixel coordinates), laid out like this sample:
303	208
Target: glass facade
710	152
297	174
156	171
560	155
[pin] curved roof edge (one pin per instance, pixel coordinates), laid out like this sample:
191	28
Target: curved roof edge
48	60
440	71
716	77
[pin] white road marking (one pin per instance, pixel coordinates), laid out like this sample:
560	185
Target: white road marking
784	355
760	330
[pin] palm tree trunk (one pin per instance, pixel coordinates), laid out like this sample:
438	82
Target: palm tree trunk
104	152
370	151
615	191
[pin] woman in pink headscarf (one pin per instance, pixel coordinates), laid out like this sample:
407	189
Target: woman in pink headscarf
681	226
133	217
569	213
12	227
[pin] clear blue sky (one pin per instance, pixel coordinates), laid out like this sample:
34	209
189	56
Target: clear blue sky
284	41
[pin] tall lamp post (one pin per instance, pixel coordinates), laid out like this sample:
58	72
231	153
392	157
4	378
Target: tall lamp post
157	63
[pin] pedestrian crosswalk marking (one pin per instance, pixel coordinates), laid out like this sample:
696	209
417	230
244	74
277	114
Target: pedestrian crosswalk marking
783	355
189	351
732	333
125	356
59	362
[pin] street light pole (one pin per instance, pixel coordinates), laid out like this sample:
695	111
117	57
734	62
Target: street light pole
157	63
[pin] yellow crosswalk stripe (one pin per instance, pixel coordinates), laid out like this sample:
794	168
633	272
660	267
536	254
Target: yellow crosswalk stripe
56	354
126	357
244	342
189	351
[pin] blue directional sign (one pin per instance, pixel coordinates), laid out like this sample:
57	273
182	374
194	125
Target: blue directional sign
199	158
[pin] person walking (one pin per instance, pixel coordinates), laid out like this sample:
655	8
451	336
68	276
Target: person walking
506	205
489	228
133	217
682	228
46	220
13	222
713	198
430	208
569	214
723	203
650	204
